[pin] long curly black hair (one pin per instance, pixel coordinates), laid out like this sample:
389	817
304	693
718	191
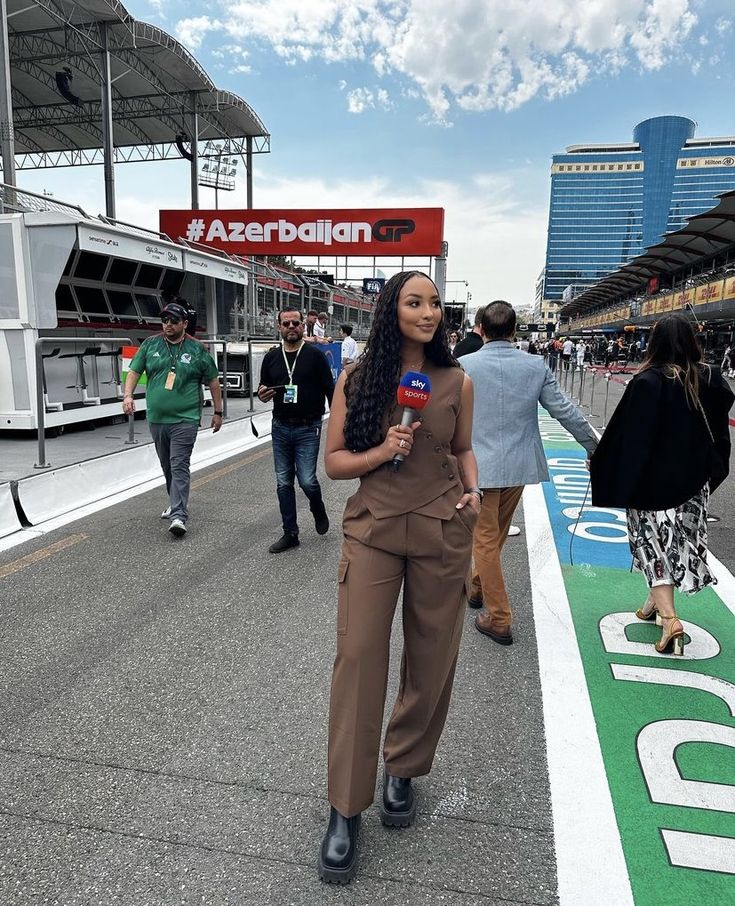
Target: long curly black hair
370	389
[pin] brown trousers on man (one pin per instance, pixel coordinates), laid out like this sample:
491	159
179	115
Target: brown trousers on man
497	510
430	557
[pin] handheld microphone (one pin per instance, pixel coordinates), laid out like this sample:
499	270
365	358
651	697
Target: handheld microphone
414	393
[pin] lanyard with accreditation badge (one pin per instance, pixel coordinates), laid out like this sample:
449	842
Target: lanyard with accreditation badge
171	376
291	391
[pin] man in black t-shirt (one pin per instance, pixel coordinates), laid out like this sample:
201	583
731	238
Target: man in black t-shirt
297	377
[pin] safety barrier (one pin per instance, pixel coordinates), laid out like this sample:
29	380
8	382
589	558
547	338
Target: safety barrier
50	494
262	423
230	440
55	493
9	521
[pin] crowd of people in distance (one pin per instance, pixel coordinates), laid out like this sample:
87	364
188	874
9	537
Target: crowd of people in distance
558	351
438	487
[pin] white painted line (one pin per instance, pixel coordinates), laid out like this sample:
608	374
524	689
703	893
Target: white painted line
725	588
700	851
585	830
51	525
685	679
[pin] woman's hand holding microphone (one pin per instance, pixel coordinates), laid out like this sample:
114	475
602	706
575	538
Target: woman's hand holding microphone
398	440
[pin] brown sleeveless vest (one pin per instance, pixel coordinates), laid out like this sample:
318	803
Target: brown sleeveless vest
428	482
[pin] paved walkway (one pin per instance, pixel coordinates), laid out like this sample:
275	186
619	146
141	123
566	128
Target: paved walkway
163	729
163	735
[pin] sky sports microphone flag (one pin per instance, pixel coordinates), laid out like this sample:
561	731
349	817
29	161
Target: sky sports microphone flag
414	392
359	232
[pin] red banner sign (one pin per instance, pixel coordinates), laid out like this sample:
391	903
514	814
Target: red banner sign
360	231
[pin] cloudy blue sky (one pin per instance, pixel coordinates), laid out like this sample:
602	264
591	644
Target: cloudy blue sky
458	105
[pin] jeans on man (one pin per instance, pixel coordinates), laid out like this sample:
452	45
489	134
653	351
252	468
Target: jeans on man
174	444
295	452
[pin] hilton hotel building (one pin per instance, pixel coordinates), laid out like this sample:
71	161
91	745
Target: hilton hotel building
611	201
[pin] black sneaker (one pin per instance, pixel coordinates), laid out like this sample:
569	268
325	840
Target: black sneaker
284	543
321	521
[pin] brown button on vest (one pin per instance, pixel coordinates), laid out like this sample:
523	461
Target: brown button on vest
428	481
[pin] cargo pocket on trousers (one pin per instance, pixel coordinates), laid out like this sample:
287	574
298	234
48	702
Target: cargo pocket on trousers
342	597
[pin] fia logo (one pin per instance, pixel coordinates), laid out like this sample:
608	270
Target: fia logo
373	285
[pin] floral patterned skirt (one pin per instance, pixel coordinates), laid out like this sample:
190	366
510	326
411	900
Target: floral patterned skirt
670	546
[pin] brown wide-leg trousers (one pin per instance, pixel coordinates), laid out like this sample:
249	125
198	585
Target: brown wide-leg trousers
491	532
431	558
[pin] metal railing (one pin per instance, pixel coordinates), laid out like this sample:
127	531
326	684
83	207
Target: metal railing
213	341
40	394
14	200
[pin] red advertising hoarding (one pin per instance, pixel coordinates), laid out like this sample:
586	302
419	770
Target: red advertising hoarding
371	232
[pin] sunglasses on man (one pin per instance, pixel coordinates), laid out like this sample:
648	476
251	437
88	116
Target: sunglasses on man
170	319
290	323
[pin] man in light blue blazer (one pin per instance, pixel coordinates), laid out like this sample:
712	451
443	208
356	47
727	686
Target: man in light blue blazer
509	385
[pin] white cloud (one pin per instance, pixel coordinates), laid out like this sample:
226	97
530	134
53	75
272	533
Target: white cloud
383	98
361	99
193	31
236	56
474	54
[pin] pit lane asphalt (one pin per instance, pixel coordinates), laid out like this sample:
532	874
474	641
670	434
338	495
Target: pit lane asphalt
164	720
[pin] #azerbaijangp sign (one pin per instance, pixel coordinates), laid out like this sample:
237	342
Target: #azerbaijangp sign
360	231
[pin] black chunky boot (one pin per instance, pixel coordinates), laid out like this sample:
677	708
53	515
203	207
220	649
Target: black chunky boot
338	857
399	801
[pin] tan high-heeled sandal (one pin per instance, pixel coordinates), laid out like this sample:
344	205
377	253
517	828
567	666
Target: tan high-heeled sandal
672	637
648	611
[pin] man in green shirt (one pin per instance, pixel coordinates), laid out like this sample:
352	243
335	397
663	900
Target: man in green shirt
175	365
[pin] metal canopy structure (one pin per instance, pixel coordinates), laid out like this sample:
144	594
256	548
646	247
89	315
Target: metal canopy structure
704	236
90	84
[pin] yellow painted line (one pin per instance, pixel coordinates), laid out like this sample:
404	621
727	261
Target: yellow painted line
231	468
41	554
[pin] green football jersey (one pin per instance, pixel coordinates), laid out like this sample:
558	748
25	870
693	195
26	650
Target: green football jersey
192	366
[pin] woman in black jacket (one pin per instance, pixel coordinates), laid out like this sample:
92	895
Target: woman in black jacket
666	448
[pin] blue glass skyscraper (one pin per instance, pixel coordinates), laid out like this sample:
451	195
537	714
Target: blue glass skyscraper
611	201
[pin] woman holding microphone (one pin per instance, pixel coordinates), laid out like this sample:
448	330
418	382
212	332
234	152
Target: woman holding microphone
407	527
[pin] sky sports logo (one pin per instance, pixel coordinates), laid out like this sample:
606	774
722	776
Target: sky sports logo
318	232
